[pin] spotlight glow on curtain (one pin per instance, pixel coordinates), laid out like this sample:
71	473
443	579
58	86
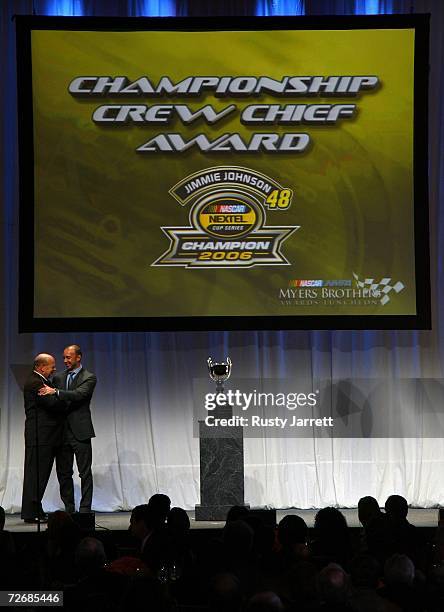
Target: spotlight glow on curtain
63	7
155	8
266	8
373	7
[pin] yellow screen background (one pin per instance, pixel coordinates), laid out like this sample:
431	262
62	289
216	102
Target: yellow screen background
100	206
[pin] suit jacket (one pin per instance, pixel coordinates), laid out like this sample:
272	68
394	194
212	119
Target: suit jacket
78	400
45	413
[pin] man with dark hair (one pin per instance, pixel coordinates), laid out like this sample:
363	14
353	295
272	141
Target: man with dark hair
396	508
368	510
44	421
292	535
404	537
151	535
141	523
374	522
160	505
332	538
75	387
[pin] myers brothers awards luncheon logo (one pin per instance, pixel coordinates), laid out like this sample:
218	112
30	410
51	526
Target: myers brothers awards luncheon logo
356	292
227	220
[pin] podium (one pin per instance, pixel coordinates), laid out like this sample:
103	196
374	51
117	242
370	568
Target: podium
221	468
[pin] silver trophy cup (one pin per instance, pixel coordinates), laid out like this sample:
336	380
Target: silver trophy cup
219	372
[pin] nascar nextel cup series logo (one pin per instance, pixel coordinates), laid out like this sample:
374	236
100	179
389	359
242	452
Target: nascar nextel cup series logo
228	208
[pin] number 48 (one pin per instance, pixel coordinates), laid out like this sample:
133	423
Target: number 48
279	199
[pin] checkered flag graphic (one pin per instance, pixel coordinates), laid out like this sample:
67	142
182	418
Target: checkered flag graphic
383	287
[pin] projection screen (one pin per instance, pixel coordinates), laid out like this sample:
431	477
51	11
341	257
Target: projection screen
223	174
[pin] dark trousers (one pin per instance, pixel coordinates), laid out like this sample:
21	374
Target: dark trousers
33	494
82	451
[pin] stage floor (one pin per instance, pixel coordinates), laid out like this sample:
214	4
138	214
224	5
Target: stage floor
119	521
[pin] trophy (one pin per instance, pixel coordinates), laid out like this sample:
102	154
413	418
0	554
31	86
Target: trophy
219	372
221	450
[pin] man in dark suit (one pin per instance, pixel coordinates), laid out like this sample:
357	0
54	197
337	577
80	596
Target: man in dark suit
75	387
45	416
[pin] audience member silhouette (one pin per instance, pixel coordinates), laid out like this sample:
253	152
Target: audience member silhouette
225	593
375	539
399	584
95	589
150	532
8	555
238	554
179	558
160	505
368	510
7	545
146	594
243	571
264	539
63	536
266	601
365	577
334	589
403	537
90	557
236	513
297	587
237	541
331	538
293	535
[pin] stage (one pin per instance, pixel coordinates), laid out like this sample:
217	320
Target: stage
119	521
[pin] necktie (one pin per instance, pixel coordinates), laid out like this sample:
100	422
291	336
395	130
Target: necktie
69	380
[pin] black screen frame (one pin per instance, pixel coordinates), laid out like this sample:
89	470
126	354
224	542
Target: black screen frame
28	322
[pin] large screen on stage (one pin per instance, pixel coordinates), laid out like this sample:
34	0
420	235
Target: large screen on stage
261	173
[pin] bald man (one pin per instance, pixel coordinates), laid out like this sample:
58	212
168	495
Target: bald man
45	417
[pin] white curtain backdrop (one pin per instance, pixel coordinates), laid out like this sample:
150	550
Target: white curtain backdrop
143	404
143	412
